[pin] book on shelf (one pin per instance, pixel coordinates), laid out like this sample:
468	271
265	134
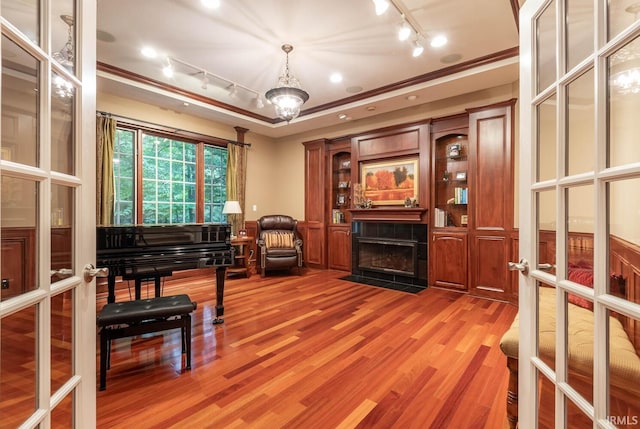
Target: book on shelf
337	216
460	195
440	218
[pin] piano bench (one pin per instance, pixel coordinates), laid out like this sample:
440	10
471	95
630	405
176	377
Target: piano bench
129	318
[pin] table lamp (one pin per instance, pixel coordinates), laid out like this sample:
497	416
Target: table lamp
231	208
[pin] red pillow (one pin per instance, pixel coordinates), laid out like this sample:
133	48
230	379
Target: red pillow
583	276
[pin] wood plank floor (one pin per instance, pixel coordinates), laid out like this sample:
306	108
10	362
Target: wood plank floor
314	351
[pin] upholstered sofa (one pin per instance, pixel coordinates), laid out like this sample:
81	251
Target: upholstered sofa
279	245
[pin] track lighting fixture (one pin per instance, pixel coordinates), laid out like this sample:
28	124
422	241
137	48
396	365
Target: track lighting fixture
405	30
418	49
208	78
409	26
168	69
205	80
381	6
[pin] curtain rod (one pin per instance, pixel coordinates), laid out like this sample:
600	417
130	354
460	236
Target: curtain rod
176	130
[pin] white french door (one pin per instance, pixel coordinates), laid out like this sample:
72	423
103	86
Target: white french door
579	212
47	214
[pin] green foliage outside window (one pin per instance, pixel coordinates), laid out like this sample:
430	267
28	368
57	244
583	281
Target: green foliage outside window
169	176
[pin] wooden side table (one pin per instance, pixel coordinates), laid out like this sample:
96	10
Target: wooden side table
241	263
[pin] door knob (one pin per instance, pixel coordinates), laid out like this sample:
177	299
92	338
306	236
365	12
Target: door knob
522	266
90	272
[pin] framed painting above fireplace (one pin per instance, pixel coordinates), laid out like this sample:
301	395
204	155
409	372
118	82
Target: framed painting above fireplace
390	183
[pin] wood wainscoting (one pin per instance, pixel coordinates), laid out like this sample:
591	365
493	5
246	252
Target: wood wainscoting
316	351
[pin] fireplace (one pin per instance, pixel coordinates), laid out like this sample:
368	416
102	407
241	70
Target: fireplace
390	252
388	255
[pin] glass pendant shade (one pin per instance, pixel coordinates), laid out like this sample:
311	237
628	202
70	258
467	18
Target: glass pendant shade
287	97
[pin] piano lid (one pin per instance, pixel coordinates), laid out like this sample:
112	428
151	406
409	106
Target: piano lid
165	236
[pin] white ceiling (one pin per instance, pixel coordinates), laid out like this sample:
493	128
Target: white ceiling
241	42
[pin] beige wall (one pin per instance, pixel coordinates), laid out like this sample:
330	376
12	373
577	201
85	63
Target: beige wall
275	168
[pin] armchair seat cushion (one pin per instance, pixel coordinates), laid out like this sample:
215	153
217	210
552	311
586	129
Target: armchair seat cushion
278	252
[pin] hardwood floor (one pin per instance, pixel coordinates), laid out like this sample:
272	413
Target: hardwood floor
315	351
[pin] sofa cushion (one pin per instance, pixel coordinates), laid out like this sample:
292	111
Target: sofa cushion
278	239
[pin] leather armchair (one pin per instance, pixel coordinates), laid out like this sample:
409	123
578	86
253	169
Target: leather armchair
279	244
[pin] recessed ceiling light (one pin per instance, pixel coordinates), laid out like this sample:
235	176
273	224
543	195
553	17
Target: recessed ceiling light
335	78
371	108
211	4
342	116
438	41
412	97
148	52
185	104
451	58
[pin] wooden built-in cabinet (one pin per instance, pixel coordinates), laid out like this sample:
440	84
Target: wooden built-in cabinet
339	188
466	183
472	204
314	241
448	260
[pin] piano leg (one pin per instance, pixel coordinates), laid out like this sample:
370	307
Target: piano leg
220	275
111	289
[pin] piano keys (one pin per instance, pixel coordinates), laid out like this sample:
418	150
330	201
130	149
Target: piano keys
144	252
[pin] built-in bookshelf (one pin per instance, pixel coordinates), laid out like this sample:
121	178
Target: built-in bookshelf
451	190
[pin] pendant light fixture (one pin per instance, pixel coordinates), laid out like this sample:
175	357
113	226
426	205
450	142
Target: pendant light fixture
287	97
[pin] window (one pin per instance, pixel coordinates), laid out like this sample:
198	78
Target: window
171	190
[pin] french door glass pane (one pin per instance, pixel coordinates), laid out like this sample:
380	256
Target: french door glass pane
20	104
62	135
61	232
580	125
576	419
621	14
23	14
579	347
62	414
547	141
546	406
624	393
18	203
580	219
546	332
61	339
624	235
18	364
63	37
579	31
546	47
624	103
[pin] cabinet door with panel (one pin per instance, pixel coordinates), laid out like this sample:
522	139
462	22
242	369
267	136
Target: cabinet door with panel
448	266
340	247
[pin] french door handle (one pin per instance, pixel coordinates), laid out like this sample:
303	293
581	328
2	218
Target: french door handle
522	266
90	272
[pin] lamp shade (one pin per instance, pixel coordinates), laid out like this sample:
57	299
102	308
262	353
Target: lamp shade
231	207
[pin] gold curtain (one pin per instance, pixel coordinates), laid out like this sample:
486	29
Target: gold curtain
236	178
105	138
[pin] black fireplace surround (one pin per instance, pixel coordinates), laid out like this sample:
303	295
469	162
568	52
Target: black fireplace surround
390	254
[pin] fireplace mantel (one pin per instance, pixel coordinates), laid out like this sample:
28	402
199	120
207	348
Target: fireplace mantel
388	214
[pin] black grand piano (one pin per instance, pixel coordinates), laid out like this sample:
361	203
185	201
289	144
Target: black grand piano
150	252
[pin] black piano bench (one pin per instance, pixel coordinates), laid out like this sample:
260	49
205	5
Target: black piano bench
129	318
